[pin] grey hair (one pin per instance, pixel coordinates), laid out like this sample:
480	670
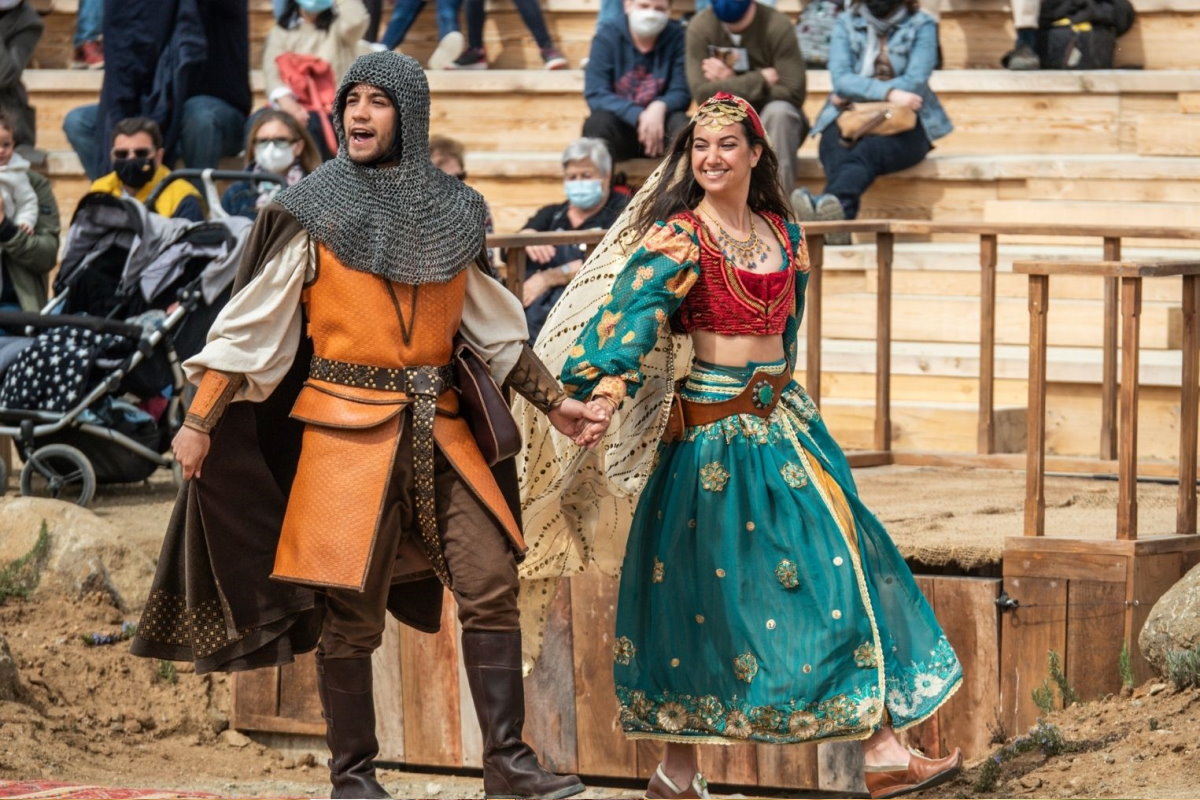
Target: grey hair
593	150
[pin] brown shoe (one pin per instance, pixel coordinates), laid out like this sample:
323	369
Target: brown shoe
921	773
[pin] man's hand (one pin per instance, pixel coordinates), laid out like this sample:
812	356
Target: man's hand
291	105
540	253
575	419
535	286
651	128
770	75
715	69
191	448
903	98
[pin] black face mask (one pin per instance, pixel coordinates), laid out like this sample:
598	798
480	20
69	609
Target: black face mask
134	172
882	9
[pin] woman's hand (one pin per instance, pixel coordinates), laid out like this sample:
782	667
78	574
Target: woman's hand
903	98
191	448
577	420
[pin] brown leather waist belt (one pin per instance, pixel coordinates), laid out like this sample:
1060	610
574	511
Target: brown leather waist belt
424	383
759	398
410	380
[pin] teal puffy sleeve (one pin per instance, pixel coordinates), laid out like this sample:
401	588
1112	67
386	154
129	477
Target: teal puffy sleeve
606	358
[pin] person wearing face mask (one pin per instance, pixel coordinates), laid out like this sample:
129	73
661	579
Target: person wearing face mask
276	144
137	159
587	174
635	84
880	50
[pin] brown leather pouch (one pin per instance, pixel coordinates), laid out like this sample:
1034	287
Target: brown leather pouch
482	405
874	119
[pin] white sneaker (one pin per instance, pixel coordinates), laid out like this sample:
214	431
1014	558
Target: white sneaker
449	48
374	47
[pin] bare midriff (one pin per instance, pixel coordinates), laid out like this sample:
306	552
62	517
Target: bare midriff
737	350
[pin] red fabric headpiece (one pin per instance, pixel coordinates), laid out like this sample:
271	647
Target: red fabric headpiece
724	109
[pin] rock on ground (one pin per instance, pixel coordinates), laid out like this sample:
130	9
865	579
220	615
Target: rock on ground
1174	622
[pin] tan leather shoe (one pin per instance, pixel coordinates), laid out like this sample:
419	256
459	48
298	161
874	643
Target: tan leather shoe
921	773
661	786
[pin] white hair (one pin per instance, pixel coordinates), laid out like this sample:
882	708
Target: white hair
587	148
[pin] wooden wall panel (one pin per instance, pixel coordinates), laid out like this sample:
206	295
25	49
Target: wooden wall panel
735	764
298	697
1152	576
966	609
429	669
1095	631
788	766
389	694
1027	635
550	691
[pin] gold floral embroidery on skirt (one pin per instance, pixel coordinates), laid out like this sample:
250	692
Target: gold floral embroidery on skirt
657	575
794	475
745	667
714	476
864	655
623	651
787	573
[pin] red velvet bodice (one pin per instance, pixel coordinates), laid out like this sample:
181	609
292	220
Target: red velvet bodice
732	301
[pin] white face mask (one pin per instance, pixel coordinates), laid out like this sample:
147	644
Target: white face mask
647	22
273	157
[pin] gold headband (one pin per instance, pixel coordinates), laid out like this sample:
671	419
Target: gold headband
715	115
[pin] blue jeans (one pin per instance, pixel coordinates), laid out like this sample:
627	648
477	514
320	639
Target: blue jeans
211	129
278	7
88	20
405	14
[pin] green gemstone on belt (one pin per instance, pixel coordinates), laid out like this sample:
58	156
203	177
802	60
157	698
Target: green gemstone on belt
765	393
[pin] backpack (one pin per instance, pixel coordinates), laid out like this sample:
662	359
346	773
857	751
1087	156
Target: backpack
814	29
1081	34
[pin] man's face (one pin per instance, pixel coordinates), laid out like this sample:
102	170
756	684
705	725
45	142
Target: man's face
370	121
136	145
649	5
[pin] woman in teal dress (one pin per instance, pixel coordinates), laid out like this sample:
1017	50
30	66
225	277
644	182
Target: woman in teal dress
760	600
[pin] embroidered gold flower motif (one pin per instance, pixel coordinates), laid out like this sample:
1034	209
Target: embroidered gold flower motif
839	709
643	274
737	726
656	576
802	723
671	717
787	573
864	655
765	719
709	709
623	651
794	475
639	705
714	476
745	667
607	327
577	351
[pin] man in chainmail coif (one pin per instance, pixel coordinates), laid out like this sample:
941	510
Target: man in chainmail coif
325	447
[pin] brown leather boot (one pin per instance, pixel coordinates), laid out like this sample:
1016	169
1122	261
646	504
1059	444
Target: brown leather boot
349	709
510	767
921	773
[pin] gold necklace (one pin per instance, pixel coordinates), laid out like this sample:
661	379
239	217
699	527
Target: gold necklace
749	252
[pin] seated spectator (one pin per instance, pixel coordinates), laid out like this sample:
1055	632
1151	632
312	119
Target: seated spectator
26	259
330	30
20	30
635	83
587	174
184	64
276	144
880	50
474	56
137	159
89	51
16	191
450	39
1025	19
749	49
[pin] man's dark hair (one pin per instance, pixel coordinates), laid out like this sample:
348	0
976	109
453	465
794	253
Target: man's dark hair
8	123
131	126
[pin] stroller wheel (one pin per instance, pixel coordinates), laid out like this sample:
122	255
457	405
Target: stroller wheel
60	472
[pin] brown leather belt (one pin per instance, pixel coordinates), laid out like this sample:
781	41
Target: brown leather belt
759	398
410	380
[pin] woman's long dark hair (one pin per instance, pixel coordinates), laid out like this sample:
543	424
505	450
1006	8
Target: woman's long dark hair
672	195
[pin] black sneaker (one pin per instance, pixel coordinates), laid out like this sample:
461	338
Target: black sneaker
471	58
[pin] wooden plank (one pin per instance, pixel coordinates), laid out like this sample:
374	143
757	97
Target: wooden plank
1131	310
735	764
1189	407
389	694
298	697
1095	632
255	695
884	249
1189	102
1027	635
550	690
649	754
966	609
429	670
601	745
788	766
840	767
276	724
1035	477
1077	564
1108	380
919	425
988	250
927	736
470	732
816	257
1152	576
1168	135
1081	466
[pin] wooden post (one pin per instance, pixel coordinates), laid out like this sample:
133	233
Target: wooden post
884	246
812	307
1131	310
986	442
1189	396
1035	476
1108	370
514	275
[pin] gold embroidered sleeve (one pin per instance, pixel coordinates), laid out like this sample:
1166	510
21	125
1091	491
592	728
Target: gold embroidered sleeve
216	391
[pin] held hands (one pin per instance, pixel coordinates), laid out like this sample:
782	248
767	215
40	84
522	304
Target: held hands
715	69
903	98
585	424
191	448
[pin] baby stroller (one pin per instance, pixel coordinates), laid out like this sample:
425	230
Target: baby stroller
92	393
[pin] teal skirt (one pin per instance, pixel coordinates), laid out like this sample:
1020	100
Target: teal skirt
760	600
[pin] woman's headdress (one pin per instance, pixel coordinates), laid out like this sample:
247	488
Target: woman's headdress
724	109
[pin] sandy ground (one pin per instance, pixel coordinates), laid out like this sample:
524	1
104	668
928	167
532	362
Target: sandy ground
93	714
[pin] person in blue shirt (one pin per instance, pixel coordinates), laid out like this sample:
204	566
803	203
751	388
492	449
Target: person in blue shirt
635	82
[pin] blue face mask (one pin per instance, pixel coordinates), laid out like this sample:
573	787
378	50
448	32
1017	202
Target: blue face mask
585	194
314	6
730	10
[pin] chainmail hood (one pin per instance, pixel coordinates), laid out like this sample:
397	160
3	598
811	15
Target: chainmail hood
411	222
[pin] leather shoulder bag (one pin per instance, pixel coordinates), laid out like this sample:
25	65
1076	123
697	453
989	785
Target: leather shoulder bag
482	404
874	119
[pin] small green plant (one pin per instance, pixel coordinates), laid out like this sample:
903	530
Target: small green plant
19	578
1125	666
1043	697
1183	667
1043	736
167	672
1065	690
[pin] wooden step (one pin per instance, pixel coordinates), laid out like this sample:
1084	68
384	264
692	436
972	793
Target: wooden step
1168	135
925	425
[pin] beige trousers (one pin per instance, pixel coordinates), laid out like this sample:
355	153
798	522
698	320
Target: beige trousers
1025	12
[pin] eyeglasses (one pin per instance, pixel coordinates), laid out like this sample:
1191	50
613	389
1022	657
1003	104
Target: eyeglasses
139	152
278	141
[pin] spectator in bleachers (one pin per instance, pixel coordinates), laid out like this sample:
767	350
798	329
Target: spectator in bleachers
184	64
20	30
1025	20
880	50
587	177
137	159
89	20
330	30
474	56
749	49
26	259
277	144
16	191
635	82
450	39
